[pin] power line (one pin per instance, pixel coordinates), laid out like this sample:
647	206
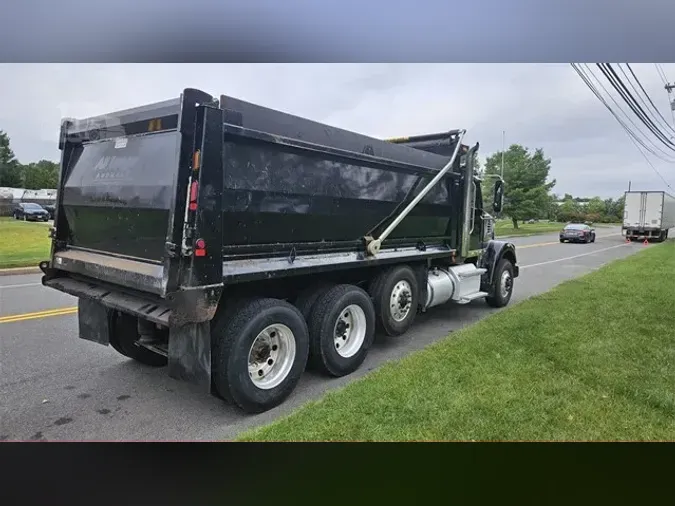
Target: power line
652	165
634	139
668	87
628	117
661	73
627	96
664	121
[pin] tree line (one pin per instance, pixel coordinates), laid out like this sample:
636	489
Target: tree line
43	174
528	191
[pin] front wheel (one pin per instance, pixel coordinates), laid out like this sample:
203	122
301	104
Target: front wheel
260	352
502	285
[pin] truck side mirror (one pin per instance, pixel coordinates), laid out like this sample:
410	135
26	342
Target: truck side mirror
498	199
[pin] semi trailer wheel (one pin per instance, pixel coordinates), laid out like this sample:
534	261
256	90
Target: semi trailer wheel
341	330
123	337
259	353
395	293
502	285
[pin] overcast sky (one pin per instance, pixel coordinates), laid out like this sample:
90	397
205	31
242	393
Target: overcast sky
545	106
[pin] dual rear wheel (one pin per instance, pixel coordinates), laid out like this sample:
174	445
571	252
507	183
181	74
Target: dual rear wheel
262	346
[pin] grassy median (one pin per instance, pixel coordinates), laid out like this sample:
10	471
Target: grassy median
22	244
504	228
593	359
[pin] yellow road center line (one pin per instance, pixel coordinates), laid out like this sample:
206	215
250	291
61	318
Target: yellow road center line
535	245
38	314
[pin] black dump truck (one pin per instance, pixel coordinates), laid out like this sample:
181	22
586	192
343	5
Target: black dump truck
238	245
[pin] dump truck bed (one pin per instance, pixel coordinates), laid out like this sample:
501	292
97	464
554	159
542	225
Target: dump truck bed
279	195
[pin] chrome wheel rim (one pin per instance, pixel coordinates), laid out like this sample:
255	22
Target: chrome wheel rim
349	331
400	301
271	356
506	284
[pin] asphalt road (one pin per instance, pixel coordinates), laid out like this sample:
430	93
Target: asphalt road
54	386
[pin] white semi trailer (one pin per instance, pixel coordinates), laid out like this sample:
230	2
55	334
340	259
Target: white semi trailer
648	215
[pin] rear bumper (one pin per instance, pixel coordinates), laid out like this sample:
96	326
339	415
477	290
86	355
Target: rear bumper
134	274
144	306
642	232
188	305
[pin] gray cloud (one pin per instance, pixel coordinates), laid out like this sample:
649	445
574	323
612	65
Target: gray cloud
545	106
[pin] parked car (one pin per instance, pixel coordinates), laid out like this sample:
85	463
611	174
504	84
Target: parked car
28	211
577	232
51	209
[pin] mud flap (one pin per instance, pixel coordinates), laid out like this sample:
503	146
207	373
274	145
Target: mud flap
94	321
190	354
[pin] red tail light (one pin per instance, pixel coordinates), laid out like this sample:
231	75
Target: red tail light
194	190
200	248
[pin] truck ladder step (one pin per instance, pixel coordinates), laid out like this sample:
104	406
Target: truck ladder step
472	296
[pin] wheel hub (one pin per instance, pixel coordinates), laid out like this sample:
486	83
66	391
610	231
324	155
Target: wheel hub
506	283
271	356
349	331
400	302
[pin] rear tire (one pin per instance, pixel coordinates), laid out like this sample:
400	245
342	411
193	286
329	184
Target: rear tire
123	337
259	353
395	294
502	285
308	297
341	330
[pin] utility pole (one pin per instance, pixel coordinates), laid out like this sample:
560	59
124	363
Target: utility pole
628	185
503	147
669	88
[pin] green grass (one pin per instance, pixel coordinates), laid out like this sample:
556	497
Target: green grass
504	228
593	359
22	244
